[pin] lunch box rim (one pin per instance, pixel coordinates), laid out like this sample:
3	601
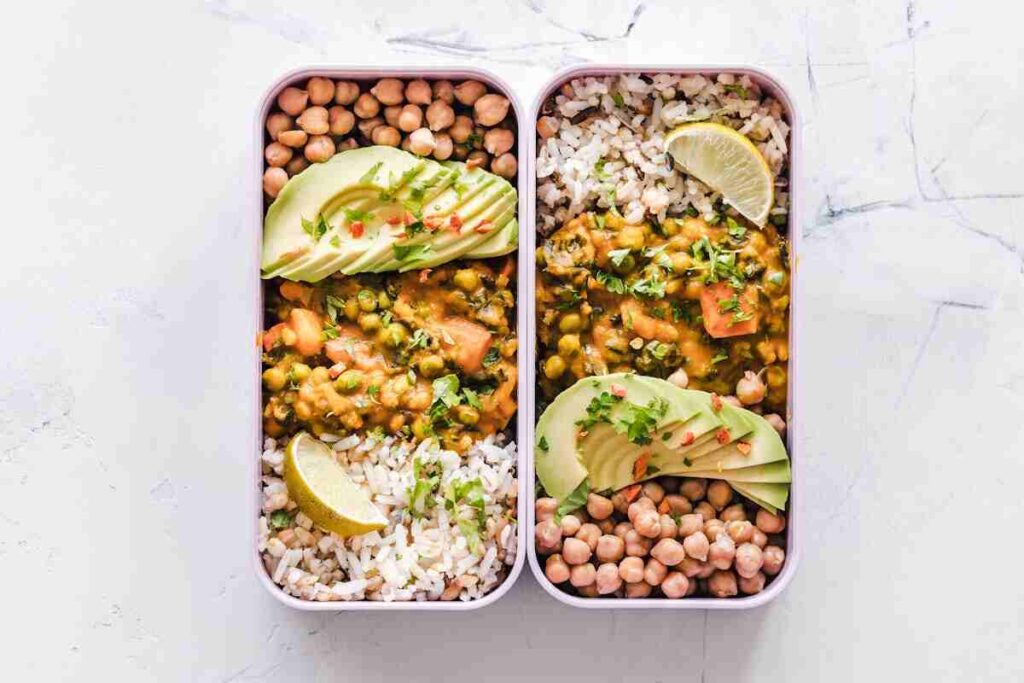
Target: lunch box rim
523	291
793	520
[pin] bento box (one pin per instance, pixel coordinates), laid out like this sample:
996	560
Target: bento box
556	130
301	564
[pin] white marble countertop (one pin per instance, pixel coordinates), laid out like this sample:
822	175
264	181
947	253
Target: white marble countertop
124	549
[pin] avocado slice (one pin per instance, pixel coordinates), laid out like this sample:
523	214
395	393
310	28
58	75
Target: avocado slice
557	457
500	243
770	496
770	473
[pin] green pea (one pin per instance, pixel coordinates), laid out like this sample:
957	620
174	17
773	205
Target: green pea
569	345
383	301
467	415
352	309
467	279
554	366
394	335
274	379
431	366
421	428
570	322
300	371
367	300
348	381
369	322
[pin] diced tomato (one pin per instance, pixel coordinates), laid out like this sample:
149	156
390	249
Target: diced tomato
722	323
640	466
470	342
432	223
722	436
483	227
356	228
664	507
743	447
455	222
716	402
618	390
394	220
688	438
631	492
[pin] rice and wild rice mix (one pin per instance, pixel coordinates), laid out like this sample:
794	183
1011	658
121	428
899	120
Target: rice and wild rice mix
451	531
602	145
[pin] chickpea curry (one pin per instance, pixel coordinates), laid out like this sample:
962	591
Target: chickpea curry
681	298
417	354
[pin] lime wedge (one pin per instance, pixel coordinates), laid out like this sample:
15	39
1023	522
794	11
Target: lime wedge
320	487
727	162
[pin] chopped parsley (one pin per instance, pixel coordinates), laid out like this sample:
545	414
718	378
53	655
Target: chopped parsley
371	174
334	305
737	89
446	396
542	444
280	519
472	399
406	252
318	229
329	332
420	340
736	231
617	256
599	171
719	358
574	501
491	357
353	215
640	421
599	410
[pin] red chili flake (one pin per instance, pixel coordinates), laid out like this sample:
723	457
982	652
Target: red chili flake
722	436
424	275
640	466
743	447
455	222
433	222
356	228
716	402
618	390
394	220
664	507
483	227
688	438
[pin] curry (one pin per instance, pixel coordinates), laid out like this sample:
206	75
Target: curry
710	299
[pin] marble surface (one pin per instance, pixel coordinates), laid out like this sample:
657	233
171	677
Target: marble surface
124	550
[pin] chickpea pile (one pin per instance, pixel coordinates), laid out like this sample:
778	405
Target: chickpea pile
672	538
439	119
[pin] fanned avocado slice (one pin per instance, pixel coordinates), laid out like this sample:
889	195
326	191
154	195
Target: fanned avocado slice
769	473
760	446
501	242
772	497
735	425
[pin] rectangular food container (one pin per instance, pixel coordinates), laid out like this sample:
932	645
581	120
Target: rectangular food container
523	325
529	242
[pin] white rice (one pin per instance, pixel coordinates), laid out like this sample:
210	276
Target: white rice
616	153
428	557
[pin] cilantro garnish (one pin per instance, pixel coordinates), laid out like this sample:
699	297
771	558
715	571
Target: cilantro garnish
617	256
420	340
640	421
329	332
318	229
491	357
719	358
353	215
405	252
472	399
736	231
334	305
542	444
599	410
280	519
371	174
574	501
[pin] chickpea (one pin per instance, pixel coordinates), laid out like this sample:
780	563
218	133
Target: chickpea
610	548
582	575
340	120
547	534
679	378
293	138
461	129
722	584
319	148
608	579
432	366
740	531
589	534
570	525
693	489
705	510
599	507
637	545
772	557
575	551
314	121
460	152
346	92
619	502
621	528
292	101
274	379
668	551
421	142
349	381
588	591
417	91
690	524
490	110
274	179
631	570
648	523
386	135
654	491
713	528
769	523
367	126
654	572
388	91
545	508
749	560
547	126
607	526
347	144
497	141
678	505
556	569
697	546
439	116
752	585
297	165
443	146
367	106
719	494
691	567
637	590
277	123
759	538
468	92
444	90
777	423
410	118
321	90
467	279
638	506
750	389
391	115
554	367
669	528
733	513
722	552
506	165
277	154
675	585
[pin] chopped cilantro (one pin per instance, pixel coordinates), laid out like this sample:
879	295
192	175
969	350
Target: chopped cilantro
353	215
599	171
420	340
316	230
336	242
329	332
280	519
334	305
617	256
405	252
491	357
642	420
736	231
599	410
446	396
737	89
542	444
719	358
574	501
472	399
371	174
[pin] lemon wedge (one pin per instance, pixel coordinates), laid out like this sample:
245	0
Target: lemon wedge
323	491
727	162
